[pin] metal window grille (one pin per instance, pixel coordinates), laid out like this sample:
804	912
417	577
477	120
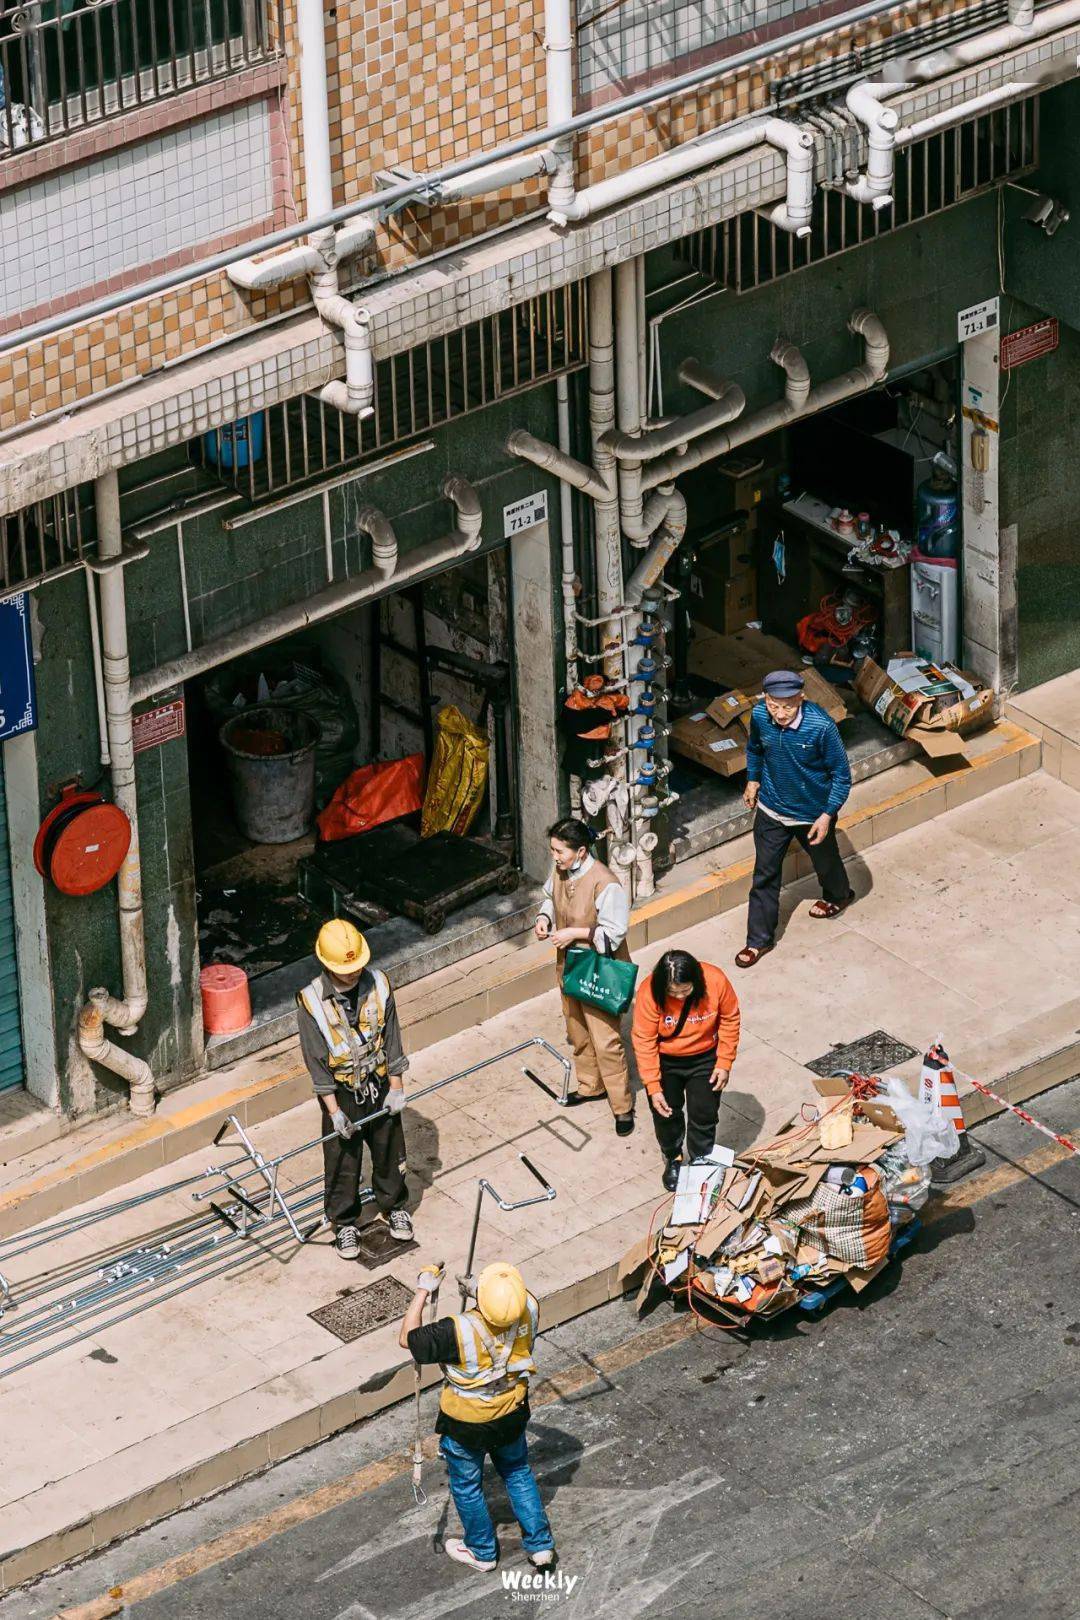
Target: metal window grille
932	175
48	538
437	382
65	64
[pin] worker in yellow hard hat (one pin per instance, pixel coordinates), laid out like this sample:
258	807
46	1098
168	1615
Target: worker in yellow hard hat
486	1358
350	1040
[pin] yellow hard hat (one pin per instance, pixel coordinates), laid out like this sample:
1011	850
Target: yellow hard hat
342	948
500	1294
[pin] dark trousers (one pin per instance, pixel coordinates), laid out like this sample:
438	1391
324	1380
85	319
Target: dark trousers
771	843
342	1161
695	1106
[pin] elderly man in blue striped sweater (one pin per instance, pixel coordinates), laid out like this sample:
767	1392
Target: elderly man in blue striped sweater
797	779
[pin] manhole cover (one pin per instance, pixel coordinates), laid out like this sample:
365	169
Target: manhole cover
361	1312
870	1054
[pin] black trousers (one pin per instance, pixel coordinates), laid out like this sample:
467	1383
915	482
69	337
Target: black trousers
695	1106
342	1161
771	842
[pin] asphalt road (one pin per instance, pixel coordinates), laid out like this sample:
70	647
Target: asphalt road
911	1454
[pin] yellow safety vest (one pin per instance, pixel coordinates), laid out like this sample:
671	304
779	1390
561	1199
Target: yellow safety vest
356	1053
491	1375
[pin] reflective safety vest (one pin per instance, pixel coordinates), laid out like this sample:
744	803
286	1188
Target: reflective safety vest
356	1053
491	1375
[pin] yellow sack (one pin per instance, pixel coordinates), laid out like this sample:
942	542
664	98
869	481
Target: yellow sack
457	777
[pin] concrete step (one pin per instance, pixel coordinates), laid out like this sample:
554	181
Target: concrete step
106	1154
1051	712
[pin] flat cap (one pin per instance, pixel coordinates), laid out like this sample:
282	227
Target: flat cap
782	683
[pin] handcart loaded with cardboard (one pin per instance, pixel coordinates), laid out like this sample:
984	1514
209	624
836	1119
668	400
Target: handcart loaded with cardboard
823	1205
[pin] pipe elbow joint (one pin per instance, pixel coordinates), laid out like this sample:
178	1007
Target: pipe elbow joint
865	324
384	542
470	513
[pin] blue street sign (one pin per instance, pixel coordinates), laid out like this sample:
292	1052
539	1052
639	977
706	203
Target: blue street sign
18	700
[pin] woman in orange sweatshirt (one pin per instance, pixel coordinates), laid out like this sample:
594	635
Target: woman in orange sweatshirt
685	1035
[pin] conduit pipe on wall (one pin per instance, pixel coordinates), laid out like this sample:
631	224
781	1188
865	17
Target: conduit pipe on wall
859	380
497	176
566	536
463	538
875	184
681	430
966	109
699	154
557	461
101	1007
559	87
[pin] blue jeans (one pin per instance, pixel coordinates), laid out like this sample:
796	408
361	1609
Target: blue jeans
465	1468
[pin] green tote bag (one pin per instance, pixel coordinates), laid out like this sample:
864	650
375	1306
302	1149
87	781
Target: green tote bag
602	981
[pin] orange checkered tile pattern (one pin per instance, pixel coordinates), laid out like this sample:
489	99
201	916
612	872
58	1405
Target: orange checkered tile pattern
418	87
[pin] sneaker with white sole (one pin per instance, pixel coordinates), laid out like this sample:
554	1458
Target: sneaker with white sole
400	1223
458	1551
347	1242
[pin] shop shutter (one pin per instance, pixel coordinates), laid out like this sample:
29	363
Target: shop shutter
11	1052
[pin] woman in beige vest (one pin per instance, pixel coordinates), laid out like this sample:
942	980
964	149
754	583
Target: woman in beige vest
586	904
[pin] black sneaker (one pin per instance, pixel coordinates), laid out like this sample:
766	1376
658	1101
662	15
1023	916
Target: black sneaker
624	1123
944	1172
670	1177
347	1242
400	1223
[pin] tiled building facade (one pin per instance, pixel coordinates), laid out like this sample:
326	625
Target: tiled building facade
462	299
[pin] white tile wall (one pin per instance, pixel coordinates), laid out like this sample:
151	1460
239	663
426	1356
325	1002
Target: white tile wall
128	208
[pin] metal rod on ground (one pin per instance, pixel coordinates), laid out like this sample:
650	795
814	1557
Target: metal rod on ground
484	1186
68	1225
101	1327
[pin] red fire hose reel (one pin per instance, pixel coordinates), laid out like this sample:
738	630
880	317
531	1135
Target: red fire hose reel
82	842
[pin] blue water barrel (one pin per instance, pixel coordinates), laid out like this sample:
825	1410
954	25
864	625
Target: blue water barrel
238	444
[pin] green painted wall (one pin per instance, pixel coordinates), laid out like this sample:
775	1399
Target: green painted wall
233	578
915	280
1040	486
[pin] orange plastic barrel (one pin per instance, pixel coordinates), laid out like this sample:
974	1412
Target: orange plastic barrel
226	1000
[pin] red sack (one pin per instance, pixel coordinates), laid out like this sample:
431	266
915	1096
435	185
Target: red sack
373	794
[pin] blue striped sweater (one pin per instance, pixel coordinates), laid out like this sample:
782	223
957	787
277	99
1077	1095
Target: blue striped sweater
803	773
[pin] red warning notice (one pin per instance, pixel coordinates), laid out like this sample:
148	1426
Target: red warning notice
1017	348
158	725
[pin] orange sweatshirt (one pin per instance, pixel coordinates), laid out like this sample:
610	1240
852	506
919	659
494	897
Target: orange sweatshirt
714	1021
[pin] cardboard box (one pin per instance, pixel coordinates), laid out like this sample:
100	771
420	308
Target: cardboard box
742	659
727	554
940	736
878	1113
718	748
749	481
723	602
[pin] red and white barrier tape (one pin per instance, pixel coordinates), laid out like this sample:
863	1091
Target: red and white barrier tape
1021	1113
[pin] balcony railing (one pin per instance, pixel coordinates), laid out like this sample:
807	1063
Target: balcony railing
66	64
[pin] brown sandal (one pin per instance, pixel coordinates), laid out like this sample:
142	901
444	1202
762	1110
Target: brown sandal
831	908
751	954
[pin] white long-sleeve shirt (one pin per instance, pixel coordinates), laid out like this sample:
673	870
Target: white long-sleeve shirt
612	910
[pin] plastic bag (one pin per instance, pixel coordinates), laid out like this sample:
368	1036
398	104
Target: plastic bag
457	778
927	1133
905	1185
381	791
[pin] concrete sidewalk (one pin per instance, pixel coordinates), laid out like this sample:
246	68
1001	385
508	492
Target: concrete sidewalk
967	926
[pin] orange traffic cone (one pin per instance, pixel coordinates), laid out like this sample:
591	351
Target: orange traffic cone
938	1088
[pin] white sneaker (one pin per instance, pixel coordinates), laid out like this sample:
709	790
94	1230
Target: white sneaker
347	1242
458	1551
544	1560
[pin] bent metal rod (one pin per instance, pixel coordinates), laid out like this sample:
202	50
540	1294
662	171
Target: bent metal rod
87	1294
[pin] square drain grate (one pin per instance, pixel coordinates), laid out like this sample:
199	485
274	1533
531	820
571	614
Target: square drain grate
870	1054
364	1310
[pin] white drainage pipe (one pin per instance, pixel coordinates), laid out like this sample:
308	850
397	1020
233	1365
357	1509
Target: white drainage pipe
794	213
559	86
125	1015
875	185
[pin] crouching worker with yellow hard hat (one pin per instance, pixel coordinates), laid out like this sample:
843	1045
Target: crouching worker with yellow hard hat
350	1040
486	1357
